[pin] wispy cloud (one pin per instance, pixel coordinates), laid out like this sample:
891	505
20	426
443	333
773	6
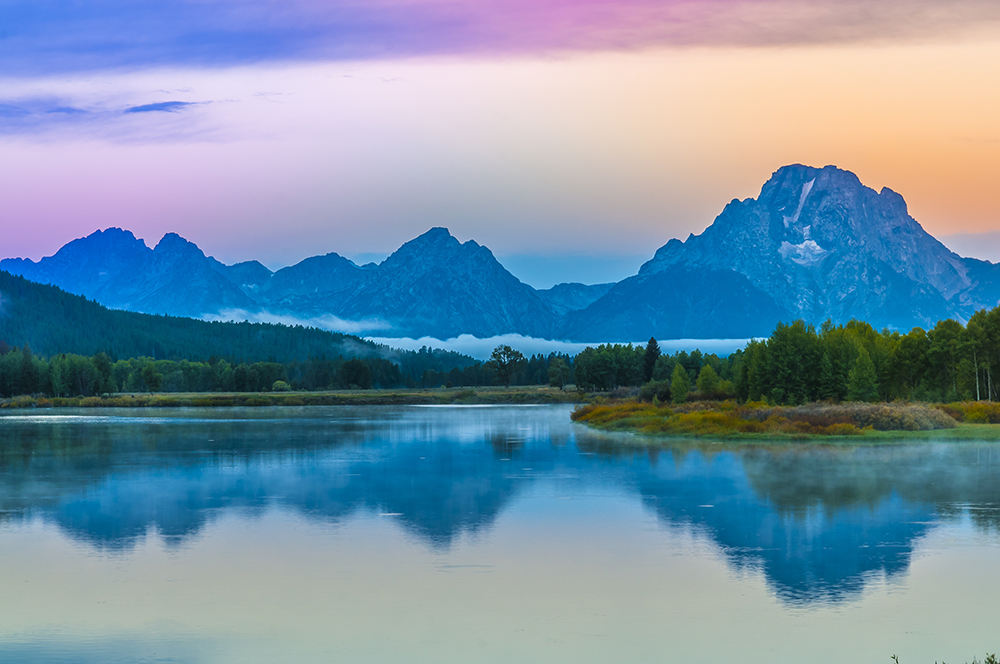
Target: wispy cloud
162	106
58	35
68	110
109	118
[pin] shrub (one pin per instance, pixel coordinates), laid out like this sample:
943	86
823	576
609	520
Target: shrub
257	401
974	412
655	389
721	418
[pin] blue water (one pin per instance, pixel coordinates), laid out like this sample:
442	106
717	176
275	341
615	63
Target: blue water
492	534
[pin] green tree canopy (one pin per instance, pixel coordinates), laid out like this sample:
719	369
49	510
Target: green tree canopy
558	372
708	381
862	381
680	384
504	361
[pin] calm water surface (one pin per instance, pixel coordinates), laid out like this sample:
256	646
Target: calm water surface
477	534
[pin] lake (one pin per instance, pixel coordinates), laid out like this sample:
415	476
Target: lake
482	534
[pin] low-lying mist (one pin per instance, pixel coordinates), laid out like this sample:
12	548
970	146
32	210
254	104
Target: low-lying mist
481	348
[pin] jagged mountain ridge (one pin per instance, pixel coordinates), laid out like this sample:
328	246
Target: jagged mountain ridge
433	285
118	270
815	244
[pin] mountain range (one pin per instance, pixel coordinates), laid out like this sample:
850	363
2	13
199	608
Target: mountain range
816	244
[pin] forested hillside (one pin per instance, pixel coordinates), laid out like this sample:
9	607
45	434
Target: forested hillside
52	322
58	344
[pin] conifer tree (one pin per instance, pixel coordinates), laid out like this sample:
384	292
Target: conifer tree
652	354
827	379
862	383
28	374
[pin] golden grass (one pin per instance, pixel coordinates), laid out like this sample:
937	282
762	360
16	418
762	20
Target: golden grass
730	419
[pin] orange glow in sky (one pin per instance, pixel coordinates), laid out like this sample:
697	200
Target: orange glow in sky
582	152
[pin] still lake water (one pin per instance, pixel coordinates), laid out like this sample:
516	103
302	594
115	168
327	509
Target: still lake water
481	534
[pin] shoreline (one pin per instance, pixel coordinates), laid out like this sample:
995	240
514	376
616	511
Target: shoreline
634	439
650	424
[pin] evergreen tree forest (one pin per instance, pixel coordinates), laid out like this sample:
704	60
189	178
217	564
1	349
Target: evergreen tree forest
56	344
52	321
799	364
854	362
611	366
68	375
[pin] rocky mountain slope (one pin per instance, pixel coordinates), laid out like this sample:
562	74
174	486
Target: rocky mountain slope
815	244
566	297
121	272
433	285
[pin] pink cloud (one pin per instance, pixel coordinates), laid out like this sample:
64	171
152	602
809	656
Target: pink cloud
49	36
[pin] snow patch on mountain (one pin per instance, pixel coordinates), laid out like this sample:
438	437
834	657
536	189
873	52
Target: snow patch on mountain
806	188
806	253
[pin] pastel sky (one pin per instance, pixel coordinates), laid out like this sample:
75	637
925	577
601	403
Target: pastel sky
572	137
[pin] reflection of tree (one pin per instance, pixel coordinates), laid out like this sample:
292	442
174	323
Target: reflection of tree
813	553
506	445
838	477
817	520
176	480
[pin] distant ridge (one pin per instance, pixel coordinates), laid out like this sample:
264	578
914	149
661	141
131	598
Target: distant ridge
431	286
52	321
815	244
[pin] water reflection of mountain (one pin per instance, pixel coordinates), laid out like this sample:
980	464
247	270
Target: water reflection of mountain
109	483
810	551
819	522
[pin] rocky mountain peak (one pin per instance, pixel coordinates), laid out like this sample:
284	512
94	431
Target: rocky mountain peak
174	246
823	245
434	246
437	237
85	264
101	245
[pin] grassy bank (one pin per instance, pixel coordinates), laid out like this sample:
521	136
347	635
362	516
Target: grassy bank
758	420
440	396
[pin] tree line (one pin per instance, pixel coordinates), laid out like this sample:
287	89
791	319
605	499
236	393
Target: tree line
22	372
854	362
799	363
676	377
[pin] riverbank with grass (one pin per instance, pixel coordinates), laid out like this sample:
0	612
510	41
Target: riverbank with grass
728	419
401	397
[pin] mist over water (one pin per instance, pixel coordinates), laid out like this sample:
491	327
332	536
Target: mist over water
481	348
481	534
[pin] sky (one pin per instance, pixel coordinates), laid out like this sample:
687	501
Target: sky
573	138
